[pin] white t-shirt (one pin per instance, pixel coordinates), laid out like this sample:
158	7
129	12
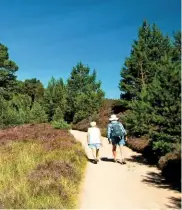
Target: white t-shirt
94	135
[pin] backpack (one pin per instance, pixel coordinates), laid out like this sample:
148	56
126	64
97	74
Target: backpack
116	130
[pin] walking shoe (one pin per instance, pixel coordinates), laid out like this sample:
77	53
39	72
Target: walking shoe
123	162
115	160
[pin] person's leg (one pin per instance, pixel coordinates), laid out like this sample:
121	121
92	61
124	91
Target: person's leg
93	153
122	153
114	151
97	154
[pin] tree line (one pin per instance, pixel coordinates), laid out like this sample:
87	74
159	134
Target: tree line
60	102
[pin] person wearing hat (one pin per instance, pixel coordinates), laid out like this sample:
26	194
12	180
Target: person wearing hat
116	135
94	140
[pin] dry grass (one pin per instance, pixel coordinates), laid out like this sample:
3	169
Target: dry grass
40	168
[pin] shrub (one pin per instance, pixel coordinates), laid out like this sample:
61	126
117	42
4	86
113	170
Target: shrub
170	164
60	124
143	145
137	145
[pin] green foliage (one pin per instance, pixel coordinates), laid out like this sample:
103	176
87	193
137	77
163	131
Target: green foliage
162	147
15	111
138	118
140	67
34	89
84	93
55	98
60	124
9	115
59	114
151	89
22	104
8	69
25	101
37	114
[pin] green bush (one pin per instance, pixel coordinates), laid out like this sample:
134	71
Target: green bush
60	124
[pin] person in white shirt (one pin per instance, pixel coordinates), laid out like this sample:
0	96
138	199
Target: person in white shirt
94	140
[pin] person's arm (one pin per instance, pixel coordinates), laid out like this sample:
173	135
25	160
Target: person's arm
122	128
101	139
109	132
124	131
88	137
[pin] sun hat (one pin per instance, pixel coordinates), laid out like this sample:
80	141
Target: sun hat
113	117
93	124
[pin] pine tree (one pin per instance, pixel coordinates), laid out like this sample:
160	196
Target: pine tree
34	89
8	69
152	90
164	96
140	67
55	96
84	93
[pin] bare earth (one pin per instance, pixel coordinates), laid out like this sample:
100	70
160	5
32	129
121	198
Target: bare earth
136	185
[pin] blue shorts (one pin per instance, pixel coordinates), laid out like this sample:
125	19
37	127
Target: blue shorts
92	146
118	141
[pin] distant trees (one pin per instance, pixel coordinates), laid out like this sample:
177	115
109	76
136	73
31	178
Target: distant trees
29	102
34	89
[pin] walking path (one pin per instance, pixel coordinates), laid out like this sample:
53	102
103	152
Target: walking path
110	185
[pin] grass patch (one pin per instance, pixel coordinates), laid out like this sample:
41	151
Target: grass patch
41	173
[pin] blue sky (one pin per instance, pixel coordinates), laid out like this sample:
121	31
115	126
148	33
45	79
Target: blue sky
48	37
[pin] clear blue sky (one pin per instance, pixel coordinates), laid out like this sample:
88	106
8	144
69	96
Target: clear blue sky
48	37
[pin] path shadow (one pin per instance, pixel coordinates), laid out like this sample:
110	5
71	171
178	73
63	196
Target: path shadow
153	178
175	203
107	159
157	180
91	160
112	160
138	159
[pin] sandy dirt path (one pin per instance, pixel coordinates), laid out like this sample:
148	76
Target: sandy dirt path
109	185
